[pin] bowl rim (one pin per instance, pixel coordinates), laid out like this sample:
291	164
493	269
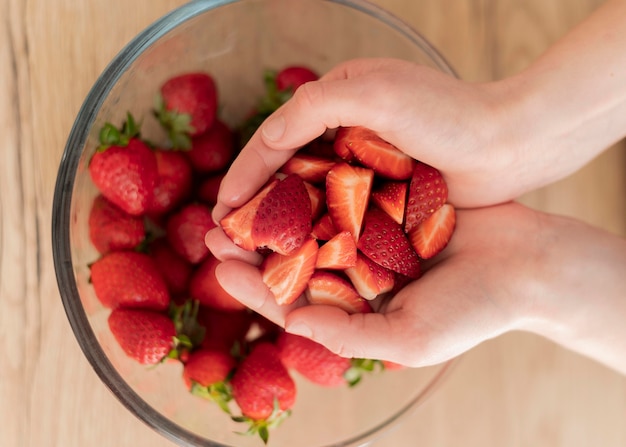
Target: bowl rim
62	200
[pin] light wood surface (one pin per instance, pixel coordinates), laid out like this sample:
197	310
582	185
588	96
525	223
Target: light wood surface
517	390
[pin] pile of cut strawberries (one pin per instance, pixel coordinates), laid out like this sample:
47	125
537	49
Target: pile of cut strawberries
347	220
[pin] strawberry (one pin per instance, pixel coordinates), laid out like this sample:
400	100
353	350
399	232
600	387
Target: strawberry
173	184
369	278
292	77
186	107
318	200
433	234
126	175
340	144
311	168
287	275
347	196
263	390
338	253
206	373
238	223
283	219
332	290
323	229
186	230
384	242
213	150
427	193
209	188
205	288
375	153
145	335
224	329
391	198
175	270
111	229
129	279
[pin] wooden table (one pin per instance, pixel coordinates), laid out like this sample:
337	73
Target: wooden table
518	390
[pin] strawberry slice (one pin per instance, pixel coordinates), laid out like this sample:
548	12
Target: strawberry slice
287	276
323	229
369	278
338	253
372	151
331	290
238	223
347	196
432	235
427	193
391	198
384	242
283	218
318	200
311	168
340	145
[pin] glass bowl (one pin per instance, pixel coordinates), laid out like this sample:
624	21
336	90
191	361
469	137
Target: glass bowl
235	41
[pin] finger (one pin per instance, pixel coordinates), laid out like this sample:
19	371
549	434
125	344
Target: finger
223	248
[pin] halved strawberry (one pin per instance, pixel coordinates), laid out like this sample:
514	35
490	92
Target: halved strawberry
318	200
374	152
432	235
332	290
287	276
323	229
340	144
369	278
384	242
427	193
311	168
347	196
391	198
238	223
283	218
338	253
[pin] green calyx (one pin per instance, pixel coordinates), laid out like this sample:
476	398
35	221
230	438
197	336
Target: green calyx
354	374
262	427
189	332
110	135
177	125
219	393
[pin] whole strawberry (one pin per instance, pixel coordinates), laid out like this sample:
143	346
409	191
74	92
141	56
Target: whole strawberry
263	389
129	279
175	270
144	335
213	150
206	373
205	288
173	183
186	230
111	229
224	329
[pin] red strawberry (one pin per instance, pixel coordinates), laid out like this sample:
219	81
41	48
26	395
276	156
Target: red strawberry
347	196
209	188
238	223
311	168
391	198
433	234
292	77
340	146
283	218
187	106
213	150
223	329
369	278
312	360
263	389
323	229
126	175
205	288
331	290
144	335
173	183
287	276
111	229
427	193
186	230
318	200
375	153
175	270
205	374
338	253
129	279
384	242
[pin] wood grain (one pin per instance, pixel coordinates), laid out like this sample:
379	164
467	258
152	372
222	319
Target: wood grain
517	390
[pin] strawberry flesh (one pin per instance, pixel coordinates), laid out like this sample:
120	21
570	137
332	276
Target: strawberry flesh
331	290
432	235
369	278
338	253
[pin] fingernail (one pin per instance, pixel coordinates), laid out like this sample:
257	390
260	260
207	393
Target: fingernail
274	128
299	328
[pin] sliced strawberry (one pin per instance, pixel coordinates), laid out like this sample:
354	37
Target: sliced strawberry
331	290
323	229
318	200
340	145
287	276
369	278
384	242
283	218
427	193
374	152
347	196
311	168
238	223
338	253
433	234
391	198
